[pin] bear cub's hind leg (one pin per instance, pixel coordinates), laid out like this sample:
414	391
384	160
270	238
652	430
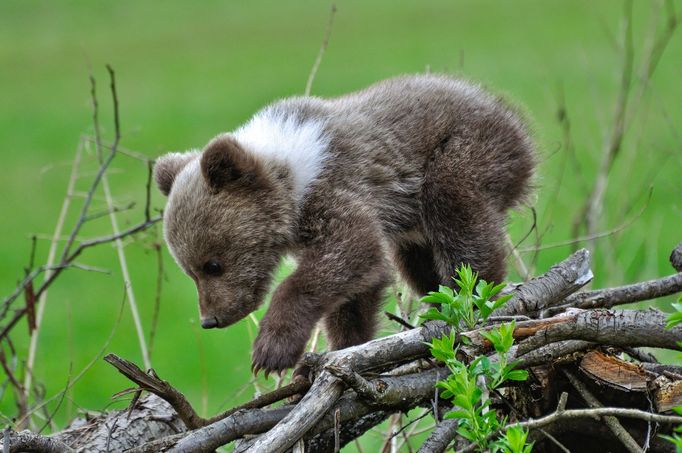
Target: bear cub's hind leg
355	321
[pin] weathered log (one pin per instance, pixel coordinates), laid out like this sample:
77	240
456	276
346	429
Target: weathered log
358	387
151	418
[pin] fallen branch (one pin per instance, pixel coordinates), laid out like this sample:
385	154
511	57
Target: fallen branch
31	442
611	421
551	288
358	387
610	297
151	382
561	415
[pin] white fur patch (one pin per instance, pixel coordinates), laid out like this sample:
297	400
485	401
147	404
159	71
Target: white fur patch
302	146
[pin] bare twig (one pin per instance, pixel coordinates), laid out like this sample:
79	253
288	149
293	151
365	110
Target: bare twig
614	144
399	320
72	381
612	422
69	252
520	266
320	54
595	413
156	246
19	313
592	237
33	346
123	262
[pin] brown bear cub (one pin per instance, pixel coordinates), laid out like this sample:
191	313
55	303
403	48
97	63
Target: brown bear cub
416	171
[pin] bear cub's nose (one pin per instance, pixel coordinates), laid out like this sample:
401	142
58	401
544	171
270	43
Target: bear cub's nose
209	323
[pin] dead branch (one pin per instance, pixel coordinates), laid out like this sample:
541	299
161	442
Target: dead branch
552	287
358	387
151	382
610	297
151	418
26	441
561	415
70	252
617	328
611	421
441	436
397	393
542	341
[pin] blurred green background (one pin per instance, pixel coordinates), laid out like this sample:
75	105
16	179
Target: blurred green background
187	71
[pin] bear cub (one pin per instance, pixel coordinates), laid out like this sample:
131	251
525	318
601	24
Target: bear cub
414	173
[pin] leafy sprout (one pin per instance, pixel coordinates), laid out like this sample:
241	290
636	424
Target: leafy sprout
468	385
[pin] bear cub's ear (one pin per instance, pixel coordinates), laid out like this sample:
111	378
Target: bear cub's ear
167	168
224	161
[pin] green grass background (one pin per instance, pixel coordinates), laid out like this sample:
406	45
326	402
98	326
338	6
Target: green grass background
188	70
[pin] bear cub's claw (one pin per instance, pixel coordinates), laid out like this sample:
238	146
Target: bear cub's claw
275	353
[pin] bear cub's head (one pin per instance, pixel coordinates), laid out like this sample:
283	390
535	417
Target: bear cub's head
227	223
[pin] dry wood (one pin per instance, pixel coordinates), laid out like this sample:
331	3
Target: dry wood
440	437
358	387
610	297
612	327
612	422
151	382
26	441
552	287
612	371
667	394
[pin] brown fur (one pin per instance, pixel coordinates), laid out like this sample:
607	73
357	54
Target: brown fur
421	168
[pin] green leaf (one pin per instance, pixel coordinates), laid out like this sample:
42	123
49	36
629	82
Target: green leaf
502	300
446	290
456	414
463	402
436	298
467	434
497	288
517	375
673	320
434	315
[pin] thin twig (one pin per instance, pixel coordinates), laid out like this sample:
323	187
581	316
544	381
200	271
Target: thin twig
613	146
19	313
595	413
87	367
157	295
594	236
399	320
612	422
123	262
33	346
320	54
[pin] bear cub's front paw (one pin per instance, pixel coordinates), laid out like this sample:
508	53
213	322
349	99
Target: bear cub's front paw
275	352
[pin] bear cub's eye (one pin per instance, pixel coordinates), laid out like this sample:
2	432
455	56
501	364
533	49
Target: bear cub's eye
212	267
